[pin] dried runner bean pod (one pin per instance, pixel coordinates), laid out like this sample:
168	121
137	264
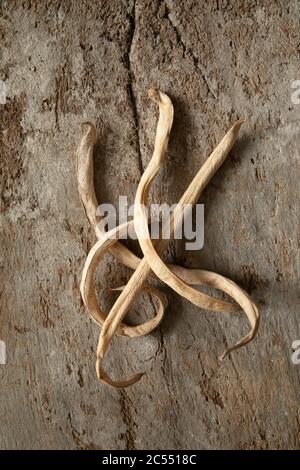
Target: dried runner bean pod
180	279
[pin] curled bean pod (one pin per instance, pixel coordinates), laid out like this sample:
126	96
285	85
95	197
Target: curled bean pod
178	278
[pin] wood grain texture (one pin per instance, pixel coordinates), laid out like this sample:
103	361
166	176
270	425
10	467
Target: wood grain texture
67	62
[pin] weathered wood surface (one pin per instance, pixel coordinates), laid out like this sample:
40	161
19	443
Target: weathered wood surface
66	62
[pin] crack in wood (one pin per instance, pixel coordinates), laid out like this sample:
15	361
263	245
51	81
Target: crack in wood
131	79
127	416
187	52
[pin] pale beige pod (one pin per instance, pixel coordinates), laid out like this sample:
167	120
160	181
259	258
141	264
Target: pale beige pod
176	277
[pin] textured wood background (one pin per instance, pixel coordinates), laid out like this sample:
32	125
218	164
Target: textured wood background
64	62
